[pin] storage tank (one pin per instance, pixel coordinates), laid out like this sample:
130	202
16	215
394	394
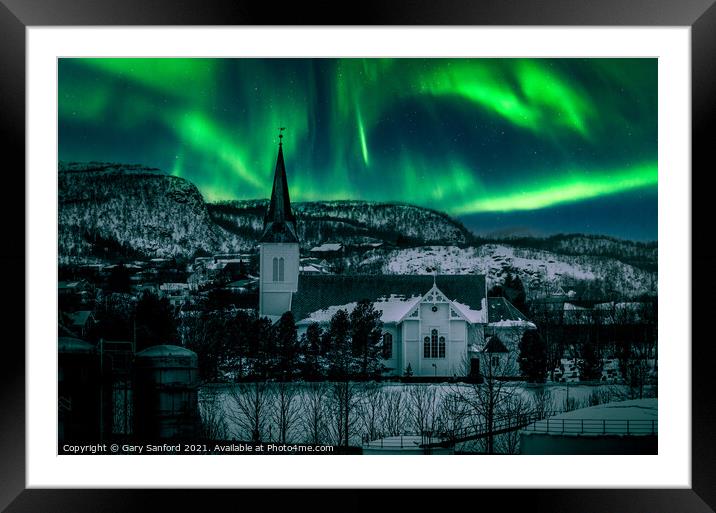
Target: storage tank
166	393
82	416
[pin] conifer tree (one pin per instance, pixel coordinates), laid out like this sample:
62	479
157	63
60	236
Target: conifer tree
366	333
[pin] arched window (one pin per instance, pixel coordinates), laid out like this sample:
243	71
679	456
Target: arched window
280	269
387	345
274	276
434	345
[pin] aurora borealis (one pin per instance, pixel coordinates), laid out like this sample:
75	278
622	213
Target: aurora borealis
536	145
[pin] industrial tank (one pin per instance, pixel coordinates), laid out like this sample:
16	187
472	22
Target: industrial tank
82	414
166	385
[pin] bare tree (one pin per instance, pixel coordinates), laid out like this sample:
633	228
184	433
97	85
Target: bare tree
485	399
344	399
251	410
370	410
452	415
515	407
286	410
315	408
393	413
423	408
542	402
213	426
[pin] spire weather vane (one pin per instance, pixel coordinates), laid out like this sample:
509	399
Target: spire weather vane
280	134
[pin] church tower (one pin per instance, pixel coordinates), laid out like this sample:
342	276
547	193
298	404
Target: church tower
279	258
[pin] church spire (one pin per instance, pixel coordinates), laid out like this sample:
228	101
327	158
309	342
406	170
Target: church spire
279	223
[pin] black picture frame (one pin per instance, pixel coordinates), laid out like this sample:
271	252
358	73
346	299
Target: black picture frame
17	15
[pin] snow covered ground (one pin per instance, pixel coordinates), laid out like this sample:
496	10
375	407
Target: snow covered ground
385	409
632	417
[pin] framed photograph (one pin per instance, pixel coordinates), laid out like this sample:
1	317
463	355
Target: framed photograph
440	232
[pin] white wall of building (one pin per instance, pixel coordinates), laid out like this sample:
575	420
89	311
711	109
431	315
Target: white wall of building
274	295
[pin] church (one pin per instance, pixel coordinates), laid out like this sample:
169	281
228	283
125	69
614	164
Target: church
436	326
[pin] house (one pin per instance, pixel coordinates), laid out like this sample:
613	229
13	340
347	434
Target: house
496	360
434	324
242	286
176	293
314	266
232	271
81	322
499	356
72	287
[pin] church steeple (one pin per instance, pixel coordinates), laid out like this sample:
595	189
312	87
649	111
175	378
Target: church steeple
279	223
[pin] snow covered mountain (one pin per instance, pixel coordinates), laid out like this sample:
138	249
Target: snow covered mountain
109	211
112	210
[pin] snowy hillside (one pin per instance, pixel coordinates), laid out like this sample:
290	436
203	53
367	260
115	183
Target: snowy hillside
350	222
540	271
639	254
108	210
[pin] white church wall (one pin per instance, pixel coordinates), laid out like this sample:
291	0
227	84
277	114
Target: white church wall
410	331
412	356
275	303
275	294
394	361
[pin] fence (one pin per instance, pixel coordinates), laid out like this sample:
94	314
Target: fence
595	426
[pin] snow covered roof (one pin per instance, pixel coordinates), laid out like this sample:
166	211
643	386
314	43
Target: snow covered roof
571	306
503	313
311	268
69	284
473	316
80	317
393	309
241	283
328	247
319	292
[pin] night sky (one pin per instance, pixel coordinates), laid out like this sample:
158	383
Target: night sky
536	146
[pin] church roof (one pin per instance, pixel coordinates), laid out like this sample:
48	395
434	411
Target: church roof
502	312
319	292
279	223
392	309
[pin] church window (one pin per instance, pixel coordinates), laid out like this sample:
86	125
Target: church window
434	345
387	345
280	269
274	276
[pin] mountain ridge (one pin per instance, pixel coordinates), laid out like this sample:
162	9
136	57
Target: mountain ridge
112	211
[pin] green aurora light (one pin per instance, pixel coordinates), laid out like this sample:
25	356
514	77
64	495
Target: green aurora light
465	136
